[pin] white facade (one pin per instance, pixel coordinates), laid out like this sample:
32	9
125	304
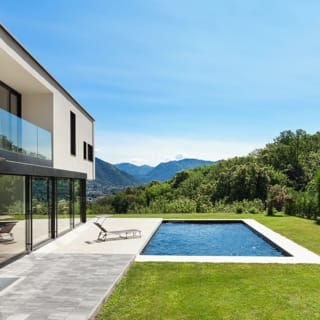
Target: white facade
46	104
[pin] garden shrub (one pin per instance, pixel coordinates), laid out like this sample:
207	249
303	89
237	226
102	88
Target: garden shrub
239	209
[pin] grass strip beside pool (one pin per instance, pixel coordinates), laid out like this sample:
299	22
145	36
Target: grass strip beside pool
216	291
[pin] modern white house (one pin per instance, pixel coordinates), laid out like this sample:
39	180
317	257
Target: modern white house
46	153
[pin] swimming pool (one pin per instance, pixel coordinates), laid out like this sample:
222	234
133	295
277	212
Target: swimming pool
210	238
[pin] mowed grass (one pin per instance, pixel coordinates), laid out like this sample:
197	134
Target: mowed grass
223	291
216	291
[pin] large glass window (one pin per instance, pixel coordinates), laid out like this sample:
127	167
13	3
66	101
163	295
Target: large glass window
4	98
29	213
10	100
63	205
40	209
12	216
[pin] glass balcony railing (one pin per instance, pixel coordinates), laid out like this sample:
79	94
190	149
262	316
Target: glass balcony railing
20	136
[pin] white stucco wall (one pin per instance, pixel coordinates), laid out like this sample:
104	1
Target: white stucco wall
62	157
38	109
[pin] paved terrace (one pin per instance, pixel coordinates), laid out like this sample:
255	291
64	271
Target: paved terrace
69	278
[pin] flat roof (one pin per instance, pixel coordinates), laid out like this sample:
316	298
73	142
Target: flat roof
60	87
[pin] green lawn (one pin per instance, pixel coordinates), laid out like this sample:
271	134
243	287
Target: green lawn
223	291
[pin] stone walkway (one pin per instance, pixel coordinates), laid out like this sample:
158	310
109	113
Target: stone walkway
70	278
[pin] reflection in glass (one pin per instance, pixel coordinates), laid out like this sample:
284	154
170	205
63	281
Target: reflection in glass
21	136
29	139
63	205
77	201
40	210
12	216
5	142
44	144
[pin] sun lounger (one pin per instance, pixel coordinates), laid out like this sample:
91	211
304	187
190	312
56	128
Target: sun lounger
5	230
125	234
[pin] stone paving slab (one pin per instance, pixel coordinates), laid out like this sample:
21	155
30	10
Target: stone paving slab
60	286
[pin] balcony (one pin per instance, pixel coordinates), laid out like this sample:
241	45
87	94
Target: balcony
23	141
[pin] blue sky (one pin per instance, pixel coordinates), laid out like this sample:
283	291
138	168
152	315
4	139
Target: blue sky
166	79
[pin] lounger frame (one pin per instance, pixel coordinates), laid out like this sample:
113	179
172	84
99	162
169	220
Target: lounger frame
5	230
124	234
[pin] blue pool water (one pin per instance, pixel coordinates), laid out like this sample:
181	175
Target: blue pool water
209	239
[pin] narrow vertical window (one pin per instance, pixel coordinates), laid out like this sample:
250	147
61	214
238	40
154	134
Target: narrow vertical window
90	152
84	150
72	133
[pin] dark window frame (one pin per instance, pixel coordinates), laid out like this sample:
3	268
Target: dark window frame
90	152
73	133
14	93
84	150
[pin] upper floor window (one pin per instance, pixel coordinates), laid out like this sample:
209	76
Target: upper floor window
90	152
84	150
10	100
72	133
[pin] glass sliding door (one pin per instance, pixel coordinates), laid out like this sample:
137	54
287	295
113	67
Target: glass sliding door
63	205
77	201
35	209
40	210
12	216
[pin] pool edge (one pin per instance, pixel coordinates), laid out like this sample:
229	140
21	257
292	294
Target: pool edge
299	254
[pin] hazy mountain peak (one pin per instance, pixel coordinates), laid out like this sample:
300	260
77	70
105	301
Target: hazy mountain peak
163	171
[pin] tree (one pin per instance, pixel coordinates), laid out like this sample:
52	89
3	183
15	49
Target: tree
179	178
278	196
318	190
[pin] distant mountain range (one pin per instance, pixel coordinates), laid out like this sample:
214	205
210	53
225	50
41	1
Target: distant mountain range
112	178
139	172
107	173
163	171
109	180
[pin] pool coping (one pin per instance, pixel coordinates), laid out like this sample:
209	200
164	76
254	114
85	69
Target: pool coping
298	253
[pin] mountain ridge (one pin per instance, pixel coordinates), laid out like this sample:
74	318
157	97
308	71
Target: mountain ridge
112	178
163	171
134	170
109	180
107	173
